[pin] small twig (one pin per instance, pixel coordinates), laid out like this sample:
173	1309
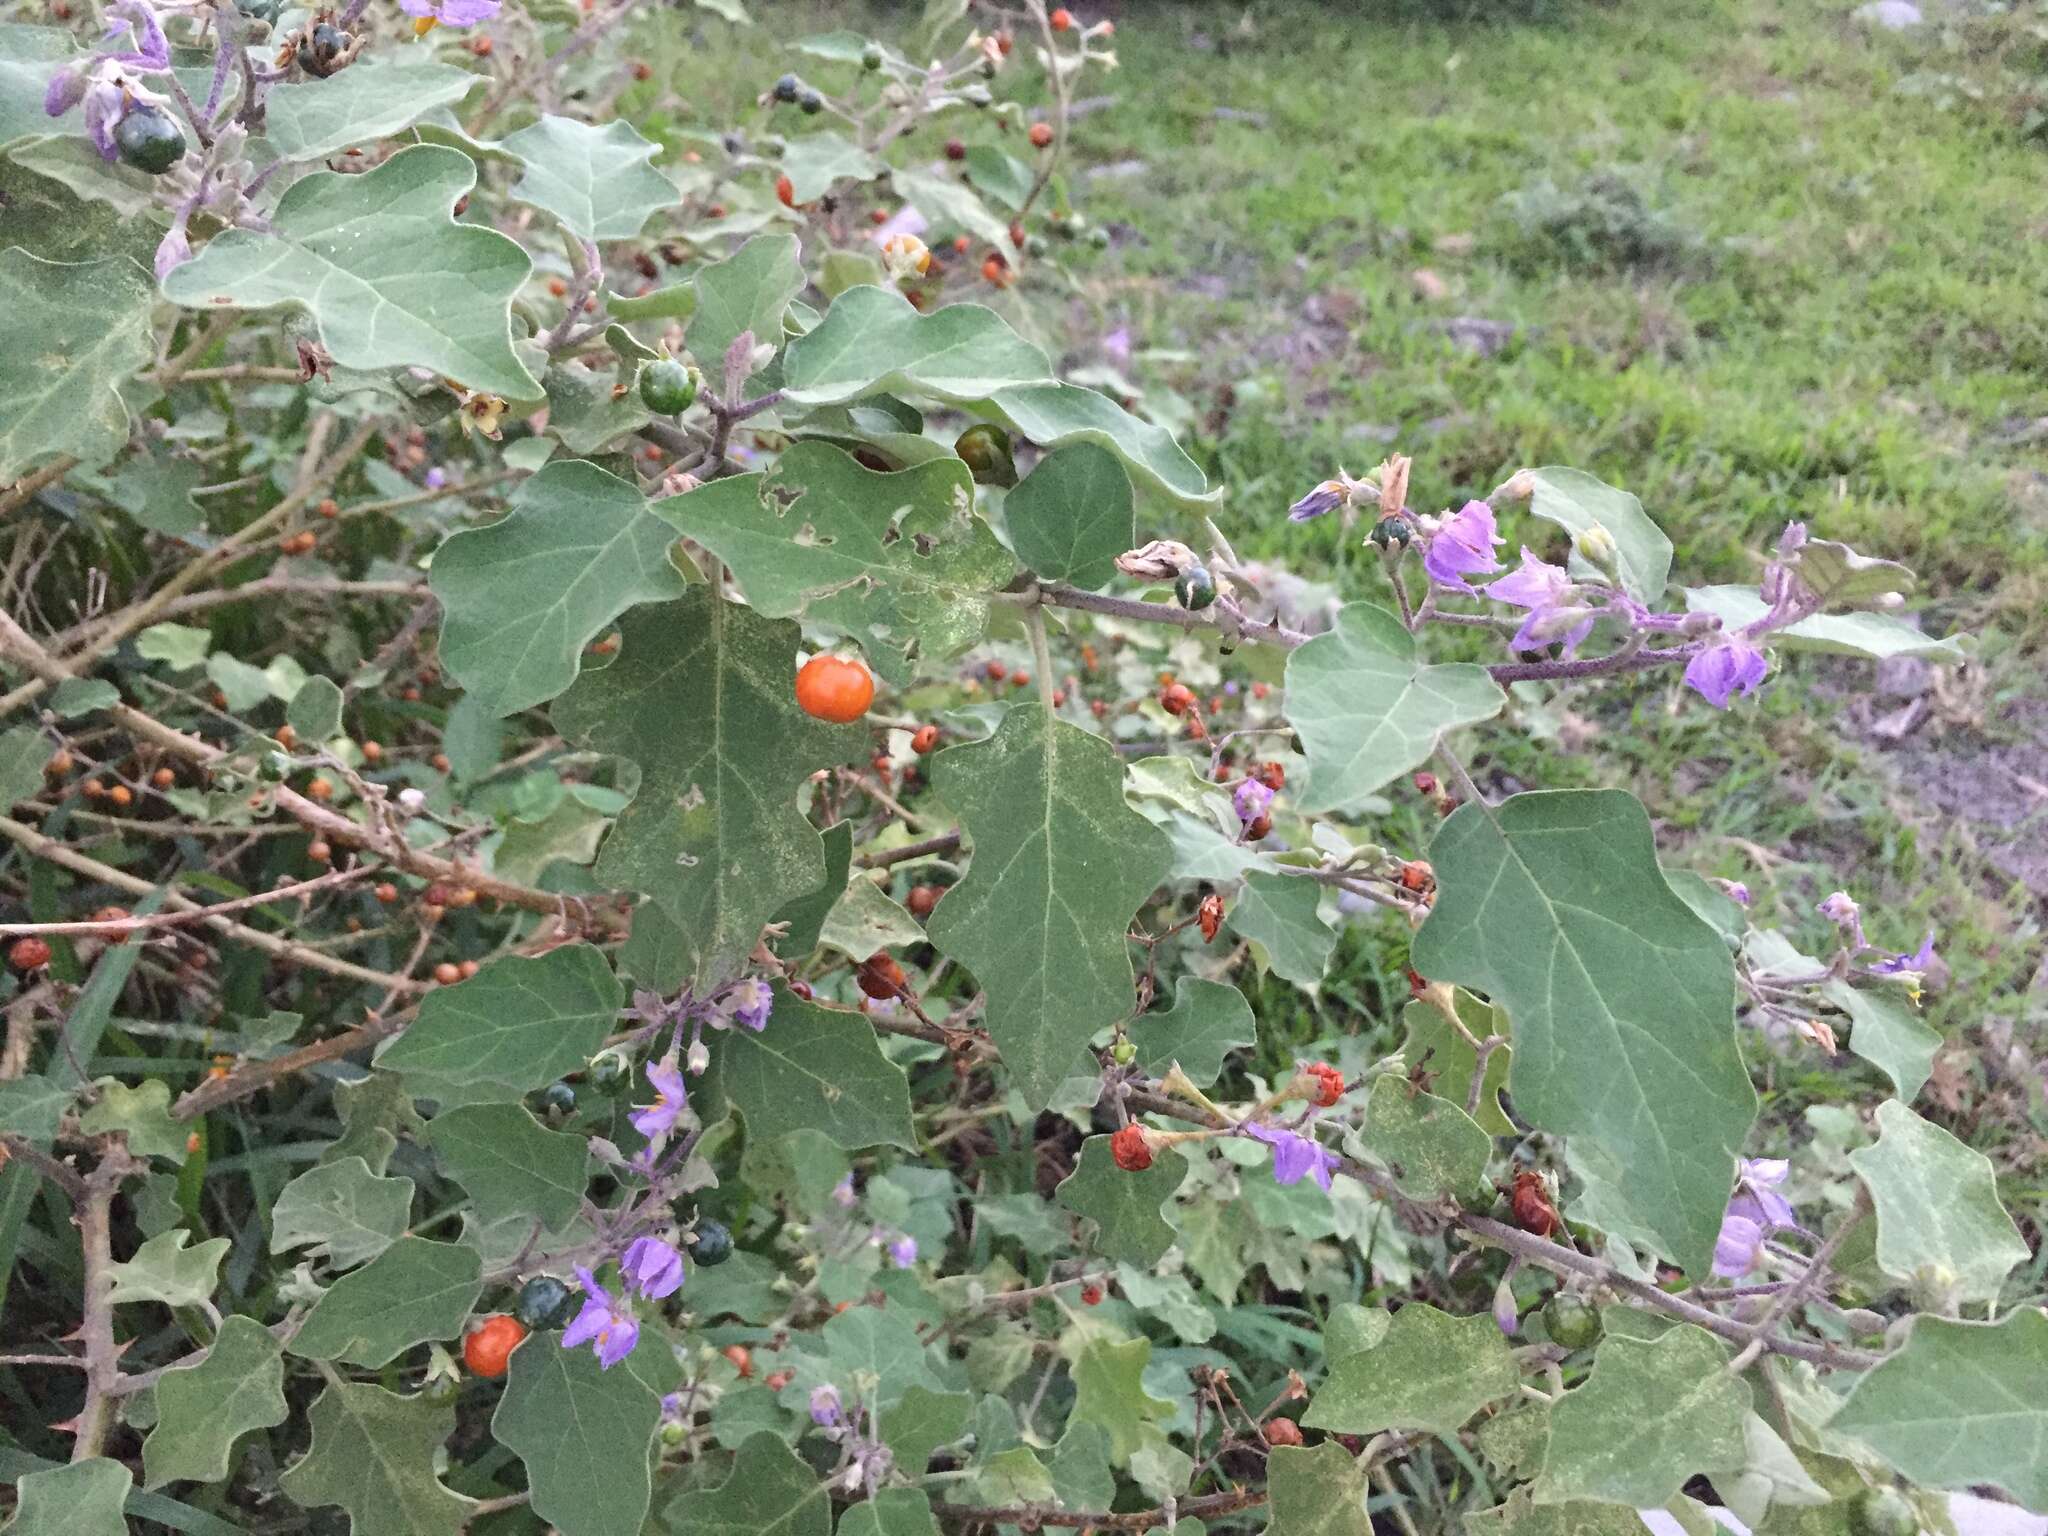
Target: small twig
1814	1273
122	925
1027	1516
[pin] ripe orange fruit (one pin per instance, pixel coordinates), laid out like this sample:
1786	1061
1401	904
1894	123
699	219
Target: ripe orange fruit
835	688
926	738
1061	19
1041	135
785	191
488	1347
29	955
447	973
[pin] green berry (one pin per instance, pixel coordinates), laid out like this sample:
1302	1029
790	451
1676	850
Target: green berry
667	387
149	140
1882	1512
558	1101
607	1068
711	1243
1035	246
1573	1323
543	1302
788	88
273	767
986	450
1099	238
673	1433
1194	588
1123	1053
1390	533
871	57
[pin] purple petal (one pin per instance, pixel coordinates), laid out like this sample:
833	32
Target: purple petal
1735	1250
587	1324
104	109
1463	547
652	1267
1722	669
617	1341
467	13
1324	498
1537	584
66	90
174	250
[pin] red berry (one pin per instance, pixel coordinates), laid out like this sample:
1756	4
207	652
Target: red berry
955	150
1272	775
1425	783
1329	1082
1041	135
922	899
1281	1431
1176	698
880	977
1258	829
29	955
1531	1204
925	740
742	1359
1091	1295
785	191
487	1348
995	671
1210	916
1416	876
1129	1148
1061	19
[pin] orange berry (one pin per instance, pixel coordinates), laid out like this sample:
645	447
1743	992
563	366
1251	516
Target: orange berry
328	508
319	852
287	737
960	245
373	752
741	1357
29	954
60	763
557	287
1176	698
320	789
1281	1431
1129	1149
468	968
447	973
1061	19
163	778
921	900
1041	135
835	688
440	762
386	893
488	1347
785	191
121	795
94	789
925	740
880	977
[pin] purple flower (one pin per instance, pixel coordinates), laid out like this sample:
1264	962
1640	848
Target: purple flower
1295	1155
1326	497
609	1327
172	251
435	478
1736	1249
1756	1193
1728	665
652	1267
1737	892
1921	960
903	1252
672	1407
1505	1317
66	90
152	51
671	1098
1841	910
1463	546
1252	800
455	13
1545	590
825	1409
843	1195
747	1002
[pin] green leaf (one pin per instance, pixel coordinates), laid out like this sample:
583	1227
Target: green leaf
1575	501
391	279
374	98
599	182
714	835
71	333
155	488
1041	804
1052	414
1937	1207
952	207
200	1409
586	409
515	1026
1208	1020
748	291
815	1068
164	1269
1961	1404
29	56
82	1499
922	1421
1124	1206
180	645
1430	1145
1368	710
1841	578
374	1110
1513	1440
315	710
771	1492
345	1211
569	833
1072	516
1434	1047
1651	1415
33	1108
1522	1516
1873	636
1013	1477
891	1512
23	753
142	1112
1431	1372
1623	999
243	686
1109	1391
524	596
373	1453
814	162
804	918
1279	914
78	696
413	1291
898	560
881	1342
511	1164
1003	177
871	340
1885	1033
864	920
583	1433
1316	1491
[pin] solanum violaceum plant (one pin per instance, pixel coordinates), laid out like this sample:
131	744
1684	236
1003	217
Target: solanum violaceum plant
491	1046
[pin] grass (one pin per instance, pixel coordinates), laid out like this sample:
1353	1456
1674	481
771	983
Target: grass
1746	258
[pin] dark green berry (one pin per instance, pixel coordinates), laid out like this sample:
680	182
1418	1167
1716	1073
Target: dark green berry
273	767
321	52
149	140
1573	1323
811	103
986	450
607	1068
1882	1512
1194	588
543	1302
788	88
667	387
1099	238
871	57
711	1243
977	95
558	1100
1035	246
1391	533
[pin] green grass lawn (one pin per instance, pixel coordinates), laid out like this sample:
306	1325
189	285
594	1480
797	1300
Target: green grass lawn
1751	260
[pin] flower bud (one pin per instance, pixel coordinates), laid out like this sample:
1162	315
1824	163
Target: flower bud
1596	546
697	1058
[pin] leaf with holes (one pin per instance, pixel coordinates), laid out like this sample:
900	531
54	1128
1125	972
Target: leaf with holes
391	279
1623	999
525	595
714	835
1041	804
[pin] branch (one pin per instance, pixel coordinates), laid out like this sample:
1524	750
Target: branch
1815	1272
945	842
102	1353
253	1077
62	1175
17	494
125	925
1029	1516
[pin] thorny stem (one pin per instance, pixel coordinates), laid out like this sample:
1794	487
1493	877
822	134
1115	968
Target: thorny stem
102	1354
